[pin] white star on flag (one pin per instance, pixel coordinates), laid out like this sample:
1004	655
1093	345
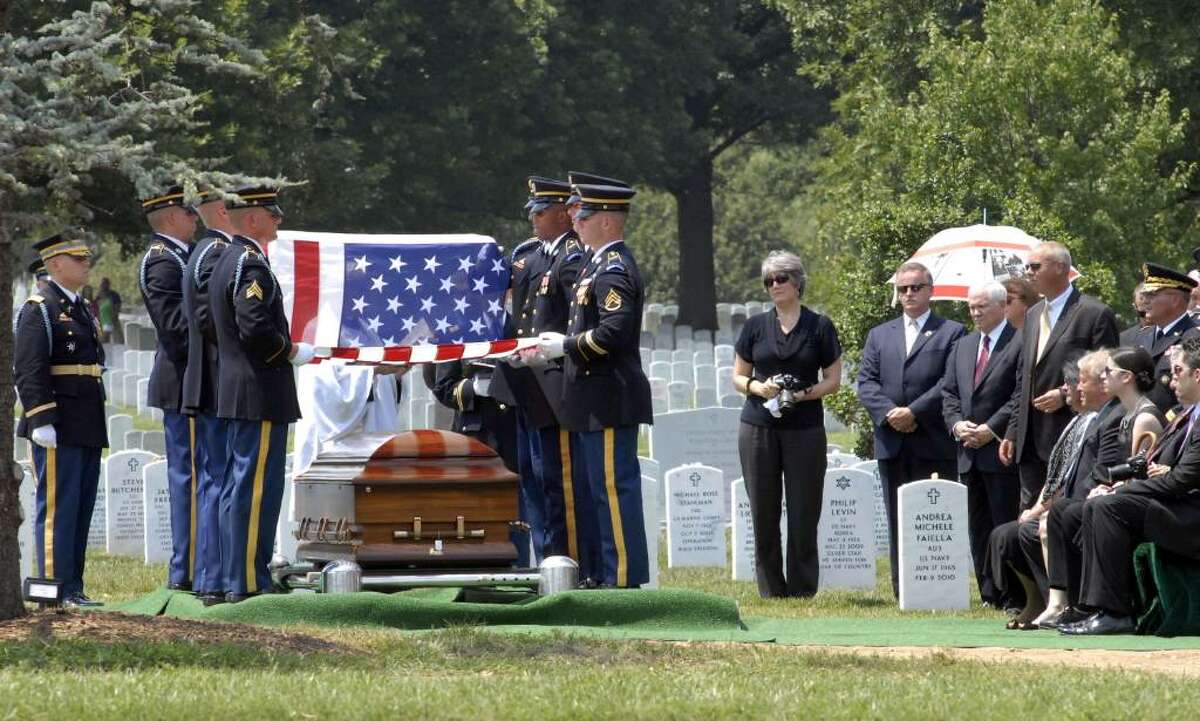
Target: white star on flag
361	263
398	263
498	265
447	285
478	325
413	284
390	340
408	324
374	324
378	283
480	285
460	305
431	264
442	324
494	307
427	304
360	303
464	264
394	304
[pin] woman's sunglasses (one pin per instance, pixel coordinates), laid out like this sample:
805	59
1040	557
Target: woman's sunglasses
771	280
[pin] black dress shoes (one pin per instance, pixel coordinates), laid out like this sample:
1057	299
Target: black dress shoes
212	598
1101	623
238	597
1068	617
185	586
79	600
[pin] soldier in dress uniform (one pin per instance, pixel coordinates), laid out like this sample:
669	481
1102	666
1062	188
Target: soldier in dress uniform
465	388
200	394
605	394
543	276
256	391
57	364
1167	294
160	278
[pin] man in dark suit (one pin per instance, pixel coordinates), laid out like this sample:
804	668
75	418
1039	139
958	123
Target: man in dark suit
978	384
1064	325
1163	509
160	278
900	384
1141	306
1167	295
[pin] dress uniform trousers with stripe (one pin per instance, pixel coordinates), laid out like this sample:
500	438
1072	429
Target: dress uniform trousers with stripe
256	395
57	365
605	398
160	279
200	401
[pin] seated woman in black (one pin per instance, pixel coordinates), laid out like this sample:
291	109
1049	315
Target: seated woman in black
782	445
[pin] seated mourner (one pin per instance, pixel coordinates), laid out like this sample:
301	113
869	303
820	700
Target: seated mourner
1163	508
1015	548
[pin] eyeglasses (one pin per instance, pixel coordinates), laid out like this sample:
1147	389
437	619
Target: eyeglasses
914	288
1033	267
1111	371
771	280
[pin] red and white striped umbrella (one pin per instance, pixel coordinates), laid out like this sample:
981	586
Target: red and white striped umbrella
962	257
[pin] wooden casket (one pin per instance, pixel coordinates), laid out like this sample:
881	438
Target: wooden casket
420	499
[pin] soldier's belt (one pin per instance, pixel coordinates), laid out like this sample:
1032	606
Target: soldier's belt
77	369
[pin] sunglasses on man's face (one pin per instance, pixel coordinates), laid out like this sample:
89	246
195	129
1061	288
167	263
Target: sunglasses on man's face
771	280
914	288
1033	267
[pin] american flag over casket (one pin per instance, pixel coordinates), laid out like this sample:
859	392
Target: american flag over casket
365	296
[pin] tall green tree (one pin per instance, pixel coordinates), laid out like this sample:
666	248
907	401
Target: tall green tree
1035	113
84	99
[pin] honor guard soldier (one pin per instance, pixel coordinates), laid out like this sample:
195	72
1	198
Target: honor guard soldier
543	275
256	391
1168	293
200	394
160	278
56	367
605	394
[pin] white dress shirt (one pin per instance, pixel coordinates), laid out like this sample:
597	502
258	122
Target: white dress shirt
912	329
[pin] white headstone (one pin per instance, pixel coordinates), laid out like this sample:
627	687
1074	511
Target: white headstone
124	522
732	400
651	318
285	540
685	343
682	331
724	354
117	426
649	467
841	460
935	558
702	337
705	376
129	390
679	396
695	516
130	361
156	510
115	355
846	532
133	440
681	356
660	356
724	337
660	369
882	542
833	448
145	362
704	435
702	356
724	315
706	397
97	534
20	449
114	386
645	355
143	393
724	378
658	395
742	537
650	520
664	340
155	442
754	307
28	498
681	371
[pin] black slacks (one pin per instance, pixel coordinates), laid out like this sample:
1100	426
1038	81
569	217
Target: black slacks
1063	546
1112	527
1013	548
779	462
992	500
1033	477
896	472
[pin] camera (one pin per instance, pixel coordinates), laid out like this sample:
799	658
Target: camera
1134	468
789	386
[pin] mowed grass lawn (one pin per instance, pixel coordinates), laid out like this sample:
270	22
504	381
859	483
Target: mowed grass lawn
470	672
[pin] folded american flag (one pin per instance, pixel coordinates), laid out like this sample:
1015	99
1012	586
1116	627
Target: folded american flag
365	297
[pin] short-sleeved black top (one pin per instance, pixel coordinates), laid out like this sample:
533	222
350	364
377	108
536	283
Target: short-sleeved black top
810	346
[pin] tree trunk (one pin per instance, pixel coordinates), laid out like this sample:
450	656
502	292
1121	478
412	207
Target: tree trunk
11	604
696	291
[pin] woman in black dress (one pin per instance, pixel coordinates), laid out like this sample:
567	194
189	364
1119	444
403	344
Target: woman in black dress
783	448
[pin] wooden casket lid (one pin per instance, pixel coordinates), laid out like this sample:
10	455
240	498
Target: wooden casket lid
412	456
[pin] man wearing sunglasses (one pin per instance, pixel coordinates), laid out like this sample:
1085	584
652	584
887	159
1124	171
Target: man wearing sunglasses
1063	326
900	385
160	278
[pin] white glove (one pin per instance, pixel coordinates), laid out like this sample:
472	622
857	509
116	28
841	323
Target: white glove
302	353
551	345
481	384
45	436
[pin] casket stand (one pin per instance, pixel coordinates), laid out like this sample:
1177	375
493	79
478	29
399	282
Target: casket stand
414	509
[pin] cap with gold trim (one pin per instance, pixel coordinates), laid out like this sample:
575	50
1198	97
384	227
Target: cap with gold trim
172	197
544	192
575	177
68	242
599	198
258	197
1157	277
37	268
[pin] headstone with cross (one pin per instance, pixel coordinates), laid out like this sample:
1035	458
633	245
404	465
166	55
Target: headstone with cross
846	531
124	517
695	516
935	556
702	435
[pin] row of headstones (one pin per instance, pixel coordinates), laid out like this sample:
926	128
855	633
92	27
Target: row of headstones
140	334
700	379
127	379
660	331
121	437
132	516
934	553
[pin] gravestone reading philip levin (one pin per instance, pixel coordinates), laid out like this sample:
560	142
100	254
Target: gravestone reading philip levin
846	532
704	435
124	520
935	559
695	516
156	509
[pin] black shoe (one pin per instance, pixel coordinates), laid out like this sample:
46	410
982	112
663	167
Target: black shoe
1072	616
238	597
185	586
1100	624
78	600
212	598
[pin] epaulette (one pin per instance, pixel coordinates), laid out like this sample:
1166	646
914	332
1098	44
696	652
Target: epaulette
35	298
525	245
160	247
